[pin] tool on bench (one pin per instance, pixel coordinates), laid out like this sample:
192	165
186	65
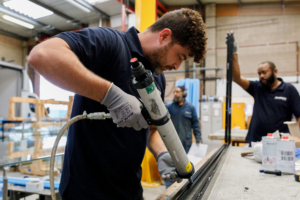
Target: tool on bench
276	172
246	154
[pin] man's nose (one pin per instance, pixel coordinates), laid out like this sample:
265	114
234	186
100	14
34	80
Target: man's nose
177	64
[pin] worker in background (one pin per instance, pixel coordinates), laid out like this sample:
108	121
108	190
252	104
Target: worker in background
184	118
103	158
274	100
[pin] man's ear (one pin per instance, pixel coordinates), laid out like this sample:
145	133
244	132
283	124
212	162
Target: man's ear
275	71
165	36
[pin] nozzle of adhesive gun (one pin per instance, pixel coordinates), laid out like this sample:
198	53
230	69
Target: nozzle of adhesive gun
191	180
276	172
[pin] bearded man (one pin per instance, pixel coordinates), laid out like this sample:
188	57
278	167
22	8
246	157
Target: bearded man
184	118
274	100
103	158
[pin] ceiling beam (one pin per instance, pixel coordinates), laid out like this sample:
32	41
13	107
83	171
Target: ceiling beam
131	5
57	12
93	8
10	34
22	17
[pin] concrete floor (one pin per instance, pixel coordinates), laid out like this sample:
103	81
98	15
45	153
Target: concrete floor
152	193
149	193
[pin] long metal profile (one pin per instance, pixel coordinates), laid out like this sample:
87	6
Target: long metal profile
202	178
229	42
211	172
200	174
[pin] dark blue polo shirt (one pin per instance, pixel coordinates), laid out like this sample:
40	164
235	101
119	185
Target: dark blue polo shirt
271	109
101	160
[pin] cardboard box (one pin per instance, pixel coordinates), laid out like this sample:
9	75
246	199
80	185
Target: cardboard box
294	132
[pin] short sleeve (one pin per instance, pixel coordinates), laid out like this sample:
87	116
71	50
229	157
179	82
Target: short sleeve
92	45
294	100
252	87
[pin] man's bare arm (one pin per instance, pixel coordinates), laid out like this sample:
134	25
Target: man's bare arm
155	143
236	75
55	61
298	120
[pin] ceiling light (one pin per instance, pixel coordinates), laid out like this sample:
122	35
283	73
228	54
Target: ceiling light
96	1
78	5
28	8
17	21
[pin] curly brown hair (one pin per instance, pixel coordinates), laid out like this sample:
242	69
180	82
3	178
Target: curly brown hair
188	29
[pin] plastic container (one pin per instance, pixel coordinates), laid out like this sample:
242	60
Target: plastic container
269	151
286	155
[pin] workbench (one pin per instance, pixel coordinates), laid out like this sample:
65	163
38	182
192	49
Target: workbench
237	136
239	178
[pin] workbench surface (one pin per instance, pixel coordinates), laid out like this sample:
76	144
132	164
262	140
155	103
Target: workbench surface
236	135
239	178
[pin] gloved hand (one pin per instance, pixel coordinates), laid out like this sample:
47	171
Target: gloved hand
125	109
234	50
166	167
198	142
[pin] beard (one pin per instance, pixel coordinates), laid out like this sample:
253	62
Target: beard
269	81
156	56
177	99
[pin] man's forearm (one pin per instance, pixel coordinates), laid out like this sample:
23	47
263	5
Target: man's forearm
236	74
298	120
155	143
54	60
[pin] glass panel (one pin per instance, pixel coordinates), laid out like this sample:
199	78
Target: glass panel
28	150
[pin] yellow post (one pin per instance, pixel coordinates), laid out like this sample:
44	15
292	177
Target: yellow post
145	16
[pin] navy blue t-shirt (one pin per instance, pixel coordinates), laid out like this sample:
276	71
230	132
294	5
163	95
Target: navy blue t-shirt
101	160
272	108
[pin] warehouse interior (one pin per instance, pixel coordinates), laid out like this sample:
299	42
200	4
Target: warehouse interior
231	102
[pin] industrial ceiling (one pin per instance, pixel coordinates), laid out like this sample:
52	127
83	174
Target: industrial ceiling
65	15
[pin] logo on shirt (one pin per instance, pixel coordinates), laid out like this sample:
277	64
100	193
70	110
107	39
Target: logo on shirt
280	98
188	112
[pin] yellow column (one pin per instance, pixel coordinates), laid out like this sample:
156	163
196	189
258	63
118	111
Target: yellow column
145	14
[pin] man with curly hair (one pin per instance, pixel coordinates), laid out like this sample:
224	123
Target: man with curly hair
103	158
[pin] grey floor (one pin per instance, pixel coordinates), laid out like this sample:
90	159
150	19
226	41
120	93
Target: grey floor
149	193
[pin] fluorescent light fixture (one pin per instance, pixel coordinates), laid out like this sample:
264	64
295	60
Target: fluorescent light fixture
28	8
96	1
17	21
78	5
